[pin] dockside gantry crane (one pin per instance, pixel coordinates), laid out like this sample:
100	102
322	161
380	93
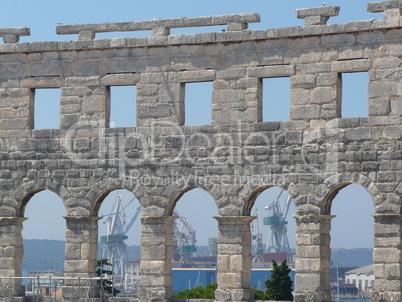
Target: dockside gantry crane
276	219
184	238
117	227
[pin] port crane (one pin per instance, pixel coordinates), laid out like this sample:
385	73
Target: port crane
117	227
184	239
258	248
276	219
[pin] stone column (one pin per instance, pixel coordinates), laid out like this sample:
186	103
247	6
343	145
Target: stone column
11	252
81	256
156	253
313	258
234	259
387	257
236	100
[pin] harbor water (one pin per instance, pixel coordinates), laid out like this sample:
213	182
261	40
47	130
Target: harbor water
189	278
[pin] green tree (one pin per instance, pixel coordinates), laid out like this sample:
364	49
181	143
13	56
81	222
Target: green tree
279	287
106	286
198	292
259	294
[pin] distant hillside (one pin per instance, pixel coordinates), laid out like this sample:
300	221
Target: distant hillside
43	254
352	257
49	254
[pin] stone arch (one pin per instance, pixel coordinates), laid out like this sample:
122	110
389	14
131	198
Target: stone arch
178	189
27	223
327	192
101	190
332	185
128	225
26	191
252	190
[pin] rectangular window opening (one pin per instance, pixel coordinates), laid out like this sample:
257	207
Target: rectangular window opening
198	103
123	106
354	94
46	108
276	99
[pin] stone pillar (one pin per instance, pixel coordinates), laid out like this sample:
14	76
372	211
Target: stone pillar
313	258
236	100
11	252
387	257
93	100
156	253
234	259
81	256
19	117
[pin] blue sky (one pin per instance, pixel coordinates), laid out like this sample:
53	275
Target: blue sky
42	17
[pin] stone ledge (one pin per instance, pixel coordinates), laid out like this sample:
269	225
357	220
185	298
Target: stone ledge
235	22
202	38
12	34
378	7
317	15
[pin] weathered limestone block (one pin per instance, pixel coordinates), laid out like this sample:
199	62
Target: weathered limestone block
323	95
339	40
375	7
81	253
11	256
237	26
234	258
122	79
20	118
360	65
156	283
305	112
81	237
12	34
271	71
309	250
391	9
86	35
379	106
396	107
160	31
387	256
317	15
11	39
